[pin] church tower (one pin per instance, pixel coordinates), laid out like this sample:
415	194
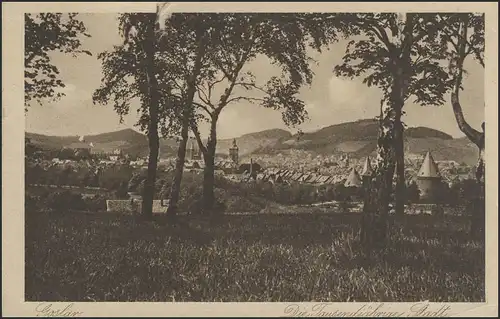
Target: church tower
233	152
367	168
428	178
194	152
353	180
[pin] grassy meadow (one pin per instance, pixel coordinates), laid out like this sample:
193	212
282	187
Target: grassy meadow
263	257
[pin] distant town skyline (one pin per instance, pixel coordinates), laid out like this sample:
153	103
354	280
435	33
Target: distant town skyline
329	100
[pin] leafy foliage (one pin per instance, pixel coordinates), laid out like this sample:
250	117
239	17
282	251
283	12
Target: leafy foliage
45	33
377	55
125	77
450	35
228	42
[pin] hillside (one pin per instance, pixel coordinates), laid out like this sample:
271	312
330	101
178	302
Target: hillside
252	142
359	139
136	144
130	141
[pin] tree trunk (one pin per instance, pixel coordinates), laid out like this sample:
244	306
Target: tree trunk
378	188
476	137
153	138
400	166
187	115
149	184
401	77
209	170
175	189
209	182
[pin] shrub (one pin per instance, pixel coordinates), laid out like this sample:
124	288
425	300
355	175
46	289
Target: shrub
121	191
412	193
96	203
134	182
437	211
65	200
466	191
164	191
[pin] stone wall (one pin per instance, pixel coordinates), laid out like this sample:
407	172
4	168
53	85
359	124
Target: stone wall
411	209
134	206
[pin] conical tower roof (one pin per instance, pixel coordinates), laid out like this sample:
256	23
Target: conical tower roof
429	168
353	180
367	168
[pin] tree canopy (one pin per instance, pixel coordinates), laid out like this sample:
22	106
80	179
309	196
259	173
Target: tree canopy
125	77
45	33
385	37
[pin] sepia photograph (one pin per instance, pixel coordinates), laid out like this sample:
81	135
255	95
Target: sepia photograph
243	156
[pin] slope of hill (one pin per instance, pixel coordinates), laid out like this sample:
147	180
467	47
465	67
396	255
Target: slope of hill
136	144
128	140
359	139
252	142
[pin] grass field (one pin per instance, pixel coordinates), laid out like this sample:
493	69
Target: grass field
306	257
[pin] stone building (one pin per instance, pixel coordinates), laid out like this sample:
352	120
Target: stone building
116	155
81	149
428	179
233	153
353	180
367	168
194	152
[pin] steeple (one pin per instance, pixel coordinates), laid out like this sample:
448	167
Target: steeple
429	168
251	167
192	151
367	169
353	180
233	152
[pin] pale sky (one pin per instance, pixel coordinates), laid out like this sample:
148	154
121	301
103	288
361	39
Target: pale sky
330	100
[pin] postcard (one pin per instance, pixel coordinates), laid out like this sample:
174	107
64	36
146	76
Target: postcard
323	159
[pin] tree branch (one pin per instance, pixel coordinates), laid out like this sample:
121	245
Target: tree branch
211	86
473	135
233	77
205	99
460	37
378	31
248	85
194	129
249	99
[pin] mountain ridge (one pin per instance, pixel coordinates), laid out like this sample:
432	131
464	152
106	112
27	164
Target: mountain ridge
358	138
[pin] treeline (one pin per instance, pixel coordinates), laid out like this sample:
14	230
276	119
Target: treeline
121	181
